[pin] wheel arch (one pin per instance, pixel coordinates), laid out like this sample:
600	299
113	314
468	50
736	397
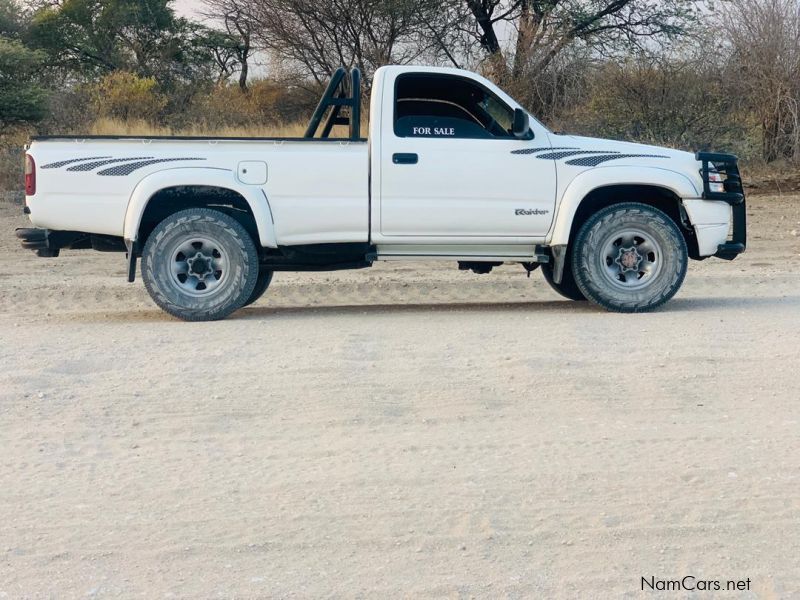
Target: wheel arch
589	193
163	193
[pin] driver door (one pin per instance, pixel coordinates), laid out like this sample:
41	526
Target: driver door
452	171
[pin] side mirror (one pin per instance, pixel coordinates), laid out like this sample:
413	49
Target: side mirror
522	125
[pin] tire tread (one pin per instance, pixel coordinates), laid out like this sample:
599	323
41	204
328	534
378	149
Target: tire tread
194	216
589	238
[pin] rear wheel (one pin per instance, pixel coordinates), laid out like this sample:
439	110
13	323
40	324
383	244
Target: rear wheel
629	258
567	288
200	265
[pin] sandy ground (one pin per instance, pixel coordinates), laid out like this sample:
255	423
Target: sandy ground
405	431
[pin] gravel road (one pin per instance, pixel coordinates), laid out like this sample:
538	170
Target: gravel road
404	431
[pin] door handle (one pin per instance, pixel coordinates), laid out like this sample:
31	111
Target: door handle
405	158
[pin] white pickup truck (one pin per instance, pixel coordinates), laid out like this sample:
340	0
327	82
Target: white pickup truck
453	169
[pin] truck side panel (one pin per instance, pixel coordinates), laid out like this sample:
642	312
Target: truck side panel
68	197
314	192
319	193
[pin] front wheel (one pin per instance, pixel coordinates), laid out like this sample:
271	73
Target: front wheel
264	279
200	265
629	258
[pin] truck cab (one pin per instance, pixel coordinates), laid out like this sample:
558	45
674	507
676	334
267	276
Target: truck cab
452	169
446	163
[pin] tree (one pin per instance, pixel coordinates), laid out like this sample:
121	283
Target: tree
22	100
515	42
320	35
234	48
765	40
90	38
542	30
13	19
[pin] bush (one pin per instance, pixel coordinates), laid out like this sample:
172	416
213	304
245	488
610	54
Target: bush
664	100
126	96
266	104
71	110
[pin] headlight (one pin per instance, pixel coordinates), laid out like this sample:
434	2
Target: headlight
715	182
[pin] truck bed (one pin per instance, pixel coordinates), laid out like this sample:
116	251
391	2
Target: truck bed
317	189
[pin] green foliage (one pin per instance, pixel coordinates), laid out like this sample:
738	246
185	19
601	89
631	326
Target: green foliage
101	35
11	19
89	38
22	100
126	96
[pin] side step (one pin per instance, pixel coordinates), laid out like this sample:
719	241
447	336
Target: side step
521	258
462	253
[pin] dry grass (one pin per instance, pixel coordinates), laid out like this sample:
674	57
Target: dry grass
106	126
776	178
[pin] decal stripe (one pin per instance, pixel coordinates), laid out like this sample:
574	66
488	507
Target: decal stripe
535	150
598	156
593	161
100	163
61	163
560	155
129	168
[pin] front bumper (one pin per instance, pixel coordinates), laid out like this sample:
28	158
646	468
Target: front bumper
737	243
727	165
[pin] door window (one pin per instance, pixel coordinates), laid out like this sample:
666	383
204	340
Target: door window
447	106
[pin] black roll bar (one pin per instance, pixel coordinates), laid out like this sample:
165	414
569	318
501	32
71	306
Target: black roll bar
341	92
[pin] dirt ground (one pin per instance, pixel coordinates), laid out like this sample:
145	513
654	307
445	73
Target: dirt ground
404	431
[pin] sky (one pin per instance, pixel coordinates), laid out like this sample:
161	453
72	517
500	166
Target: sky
187	8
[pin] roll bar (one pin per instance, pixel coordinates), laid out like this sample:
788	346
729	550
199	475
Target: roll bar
341	92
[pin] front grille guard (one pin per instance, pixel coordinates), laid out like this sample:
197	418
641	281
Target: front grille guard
727	165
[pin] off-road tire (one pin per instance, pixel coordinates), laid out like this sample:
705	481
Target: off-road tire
236	281
647	228
567	288
262	283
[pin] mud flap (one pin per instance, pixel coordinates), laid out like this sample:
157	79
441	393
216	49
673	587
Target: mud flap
559	256
131	256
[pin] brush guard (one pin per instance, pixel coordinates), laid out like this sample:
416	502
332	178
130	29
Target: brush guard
727	165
